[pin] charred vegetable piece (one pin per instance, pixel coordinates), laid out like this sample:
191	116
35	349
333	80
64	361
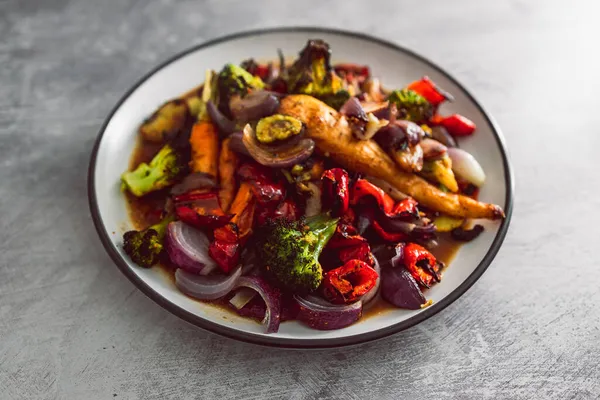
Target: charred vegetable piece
430	91
201	210
283	156
360	252
336	195
349	282
166	167
466	235
232	81
411	105
224	249
277	128
259	70
287	210
204	141
421	264
228	162
312	74
441	171
400	289
457	125
289	252
266	189
164	124
145	247
345	236
363	189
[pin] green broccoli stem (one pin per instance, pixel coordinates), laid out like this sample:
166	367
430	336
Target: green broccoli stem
323	227
161	227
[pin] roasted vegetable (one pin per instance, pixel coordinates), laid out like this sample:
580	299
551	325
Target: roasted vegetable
228	162
441	171
312	74
411	105
349	282
145	247
332	136
277	128
164	124
232	81
421	264
289	252
166	167
456	125
201	210
336	195
430	91
204	141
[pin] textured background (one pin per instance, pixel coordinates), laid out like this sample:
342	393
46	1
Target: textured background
72	327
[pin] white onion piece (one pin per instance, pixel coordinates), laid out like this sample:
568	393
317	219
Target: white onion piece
188	248
466	167
387	187
242	297
370	295
206	287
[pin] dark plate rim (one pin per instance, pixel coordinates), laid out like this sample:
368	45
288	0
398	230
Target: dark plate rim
302	343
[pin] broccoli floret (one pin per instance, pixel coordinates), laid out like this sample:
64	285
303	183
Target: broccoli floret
411	105
146	247
312	74
167	166
290	251
234	80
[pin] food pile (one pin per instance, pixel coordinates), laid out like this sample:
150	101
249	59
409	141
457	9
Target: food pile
304	191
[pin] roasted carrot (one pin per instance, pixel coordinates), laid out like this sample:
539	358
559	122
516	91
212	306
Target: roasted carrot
204	141
243	208
333	137
228	162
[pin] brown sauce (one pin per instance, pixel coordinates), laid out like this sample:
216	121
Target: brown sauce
145	211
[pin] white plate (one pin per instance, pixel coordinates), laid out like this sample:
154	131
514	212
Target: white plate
396	67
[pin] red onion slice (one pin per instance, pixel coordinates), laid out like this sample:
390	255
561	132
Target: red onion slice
242	297
283	159
254	106
224	125
370	295
271	297
322	315
187	248
206	287
400	289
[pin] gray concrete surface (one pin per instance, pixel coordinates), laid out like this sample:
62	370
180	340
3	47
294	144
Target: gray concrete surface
72	327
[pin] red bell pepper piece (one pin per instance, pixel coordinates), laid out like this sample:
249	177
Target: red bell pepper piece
363	189
265	188
406	208
360	252
421	264
345	236
349	282
336	195
456	125
225	248
201	210
286	209
428	89
393	237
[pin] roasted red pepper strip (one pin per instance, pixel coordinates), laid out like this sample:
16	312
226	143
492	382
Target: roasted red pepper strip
225	248
360	252
421	264
349	282
363	189
286	209
201	210
393	237
406	208
265	188
432	93
336	196
456	125
345	236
